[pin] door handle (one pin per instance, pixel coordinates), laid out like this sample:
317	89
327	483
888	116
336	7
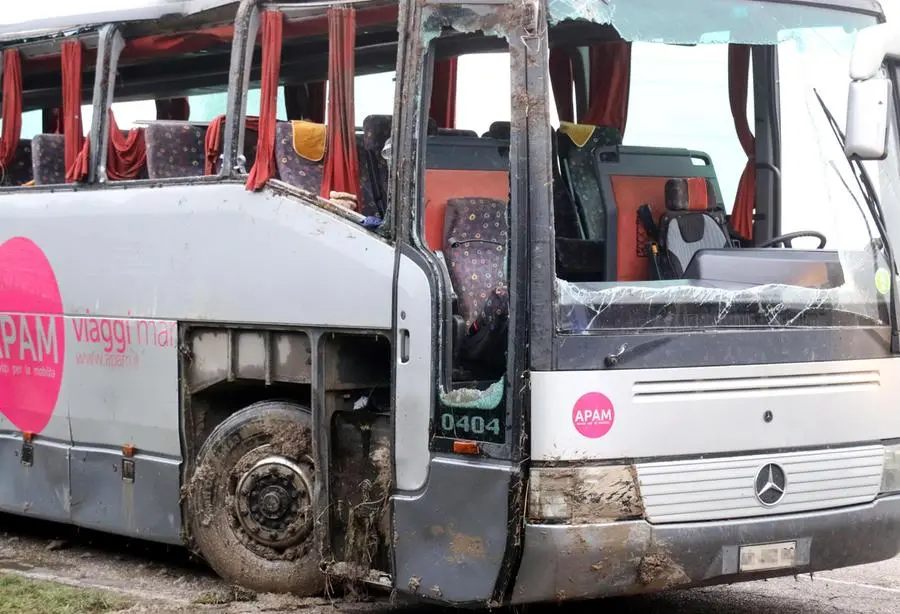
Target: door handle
404	345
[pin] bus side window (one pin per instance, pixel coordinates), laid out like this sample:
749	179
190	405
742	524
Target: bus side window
19	171
373	104
38	156
156	130
466	217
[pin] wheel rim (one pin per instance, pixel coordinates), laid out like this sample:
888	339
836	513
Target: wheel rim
273	503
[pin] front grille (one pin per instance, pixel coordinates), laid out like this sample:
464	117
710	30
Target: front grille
725	488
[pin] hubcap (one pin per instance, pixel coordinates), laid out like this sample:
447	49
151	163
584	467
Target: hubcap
273	502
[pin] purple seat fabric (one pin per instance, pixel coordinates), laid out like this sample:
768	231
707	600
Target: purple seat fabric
48	157
175	150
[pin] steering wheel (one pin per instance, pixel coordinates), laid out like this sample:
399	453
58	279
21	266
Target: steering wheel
785	240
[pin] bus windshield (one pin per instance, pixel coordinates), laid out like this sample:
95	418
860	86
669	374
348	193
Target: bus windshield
684	129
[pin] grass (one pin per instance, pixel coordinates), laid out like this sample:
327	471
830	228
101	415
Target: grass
25	596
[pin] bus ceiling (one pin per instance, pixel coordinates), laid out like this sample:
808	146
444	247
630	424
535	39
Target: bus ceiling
194	57
31	20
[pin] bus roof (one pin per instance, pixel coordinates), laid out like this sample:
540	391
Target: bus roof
41	17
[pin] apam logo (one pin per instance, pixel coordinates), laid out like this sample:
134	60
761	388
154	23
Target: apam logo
593	415
32	336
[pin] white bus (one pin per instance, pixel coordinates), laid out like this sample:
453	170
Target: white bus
484	303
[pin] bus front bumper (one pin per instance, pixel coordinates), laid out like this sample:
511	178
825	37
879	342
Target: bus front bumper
586	561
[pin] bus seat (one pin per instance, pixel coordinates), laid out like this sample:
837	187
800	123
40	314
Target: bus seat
567	223
577	258
577	144
376	130
48	157
367	187
476	239
175	150
305	173
21	168
686	227
461	167
630	177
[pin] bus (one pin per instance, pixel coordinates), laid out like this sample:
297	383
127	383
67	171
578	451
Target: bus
477	302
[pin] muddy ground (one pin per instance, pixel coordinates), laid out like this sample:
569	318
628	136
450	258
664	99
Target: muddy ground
155	578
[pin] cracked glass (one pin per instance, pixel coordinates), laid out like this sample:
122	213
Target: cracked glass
679	98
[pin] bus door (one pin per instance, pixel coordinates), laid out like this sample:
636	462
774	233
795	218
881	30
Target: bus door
460	320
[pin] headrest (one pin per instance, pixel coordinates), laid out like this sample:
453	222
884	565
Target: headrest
376	130
677	197
690	194
581	134
310	140
475	218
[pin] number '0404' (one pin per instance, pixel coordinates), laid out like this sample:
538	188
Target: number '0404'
476	425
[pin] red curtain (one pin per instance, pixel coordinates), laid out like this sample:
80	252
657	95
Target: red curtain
76	148
12	106
443	93
264	165
173	109
561	79
745	199
341	161
316	101
127	154
184	42
610	85
213	144
214	140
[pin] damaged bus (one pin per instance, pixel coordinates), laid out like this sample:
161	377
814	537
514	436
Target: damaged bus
312	290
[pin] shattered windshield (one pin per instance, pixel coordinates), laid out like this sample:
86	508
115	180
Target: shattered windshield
658	191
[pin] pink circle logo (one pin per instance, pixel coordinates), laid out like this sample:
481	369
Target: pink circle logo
32	336
593	415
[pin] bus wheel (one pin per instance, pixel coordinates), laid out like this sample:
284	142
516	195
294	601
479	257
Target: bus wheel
250	500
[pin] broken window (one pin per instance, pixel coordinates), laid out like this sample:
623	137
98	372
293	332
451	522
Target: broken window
660	177
464	217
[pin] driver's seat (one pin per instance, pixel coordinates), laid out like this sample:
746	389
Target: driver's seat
684	231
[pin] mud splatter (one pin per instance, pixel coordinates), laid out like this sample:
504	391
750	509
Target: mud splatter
589	494
658	571
465	547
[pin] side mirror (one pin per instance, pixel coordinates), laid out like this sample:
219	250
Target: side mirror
870	94
867	119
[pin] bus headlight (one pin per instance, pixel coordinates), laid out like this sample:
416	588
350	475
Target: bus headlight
890	475
583	495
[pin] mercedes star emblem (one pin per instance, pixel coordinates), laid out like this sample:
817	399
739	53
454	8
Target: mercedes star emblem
770	484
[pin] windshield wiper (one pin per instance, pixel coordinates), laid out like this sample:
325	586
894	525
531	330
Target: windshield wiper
864	181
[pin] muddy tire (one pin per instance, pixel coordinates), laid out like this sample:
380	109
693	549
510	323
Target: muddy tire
249	503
